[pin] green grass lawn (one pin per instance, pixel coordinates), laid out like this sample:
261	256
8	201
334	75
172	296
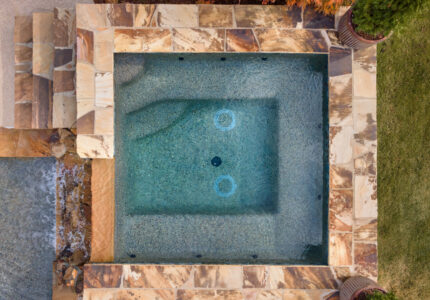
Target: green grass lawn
404	158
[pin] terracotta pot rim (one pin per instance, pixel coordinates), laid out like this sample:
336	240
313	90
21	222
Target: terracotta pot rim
355	34
367	288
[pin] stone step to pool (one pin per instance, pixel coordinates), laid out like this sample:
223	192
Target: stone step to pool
45	70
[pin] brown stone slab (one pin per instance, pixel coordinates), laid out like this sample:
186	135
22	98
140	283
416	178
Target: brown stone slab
143	14
366	259
121	14
35	143
23	115
366	230
241	40
43	31
340	249
64	111
262	294
340	210
85	45
23	87
254	276
102	276
156	276
297	277
340	61
43	59
23	54
90	16
8	142
103	210
42	103
215	16
267	16
64	81
291	40
316	20
142	40
62	57
340	100
177	15
209	295
198	40
340	176
23	30
64	25
85	123
219	276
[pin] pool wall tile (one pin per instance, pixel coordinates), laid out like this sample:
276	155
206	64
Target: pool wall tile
267	16
198	40
241	40
159	277
218	276
216	16
143	14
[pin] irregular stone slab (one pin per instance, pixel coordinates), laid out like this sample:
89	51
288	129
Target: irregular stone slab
366	259
23	115
85	45
62	57
198	40
267	16
103	120
314	19
23	29
64	25
366	230
310	295
340	249
340	144
215	16
85	122
42	103
143	14
219	276
364	70
296	41
23	54
43	59
121	14
209	295
156	276
340	61
103	50
365	196
261	294
298	277
90	16
102	276
340	176
142	40
42	27
241	40
104	89
340	103
340	210
23	87
64	111
254	276
95	146
64	81
85	81
177	15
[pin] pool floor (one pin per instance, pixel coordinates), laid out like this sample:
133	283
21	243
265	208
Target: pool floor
221	158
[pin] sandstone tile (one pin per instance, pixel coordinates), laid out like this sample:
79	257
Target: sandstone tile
64	111
340	210
286	40
209	295
340	100
364	71
43	31
198	40
254	276
64	25
143	14
241	40
85	45
364	126
343	273
121	14
145	295
365	230
23	87
301	277
261	294
85	76
104	89
267	16
95	146
23	115
103	210
34	143
62	57
218	276
23	54
103	120
340	144
64	81
340	176
90	16
310	295
142	40
102	276
156	276
8	142
366	260
340	61
42	103
43	58
365	197
340	249
85	122
177	15
215	16
103	50
314	19
23	29
100	294
366	163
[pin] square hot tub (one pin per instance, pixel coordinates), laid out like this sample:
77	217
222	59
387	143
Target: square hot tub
221	158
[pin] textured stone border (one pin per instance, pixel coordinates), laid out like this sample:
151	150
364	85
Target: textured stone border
105	29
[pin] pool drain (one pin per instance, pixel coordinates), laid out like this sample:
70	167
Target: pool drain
221	120
221	192
216	161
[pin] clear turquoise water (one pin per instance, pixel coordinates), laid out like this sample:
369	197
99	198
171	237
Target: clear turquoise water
221	158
